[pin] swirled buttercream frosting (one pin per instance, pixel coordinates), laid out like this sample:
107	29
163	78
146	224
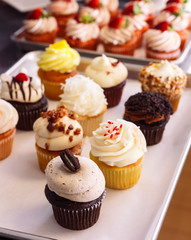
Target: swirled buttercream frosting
106	71
59	57
112	5
57	130
60	8
22	87
8	116
118	143
138	21
86	184
83	96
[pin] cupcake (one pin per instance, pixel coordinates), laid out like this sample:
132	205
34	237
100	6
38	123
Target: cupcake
98	11
55	131
119	37
40	27
75	188
162	42
150	111
57	63
26	94
85	98
82	32
117	147
8	121
178	17
63	10
166	78
111	75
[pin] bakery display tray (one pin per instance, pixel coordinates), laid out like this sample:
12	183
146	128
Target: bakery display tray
133	214
138	58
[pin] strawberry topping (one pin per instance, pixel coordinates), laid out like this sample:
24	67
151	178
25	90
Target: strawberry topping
36	14
177	1
21	77
164	26
94	4
132	9
175	10
119	22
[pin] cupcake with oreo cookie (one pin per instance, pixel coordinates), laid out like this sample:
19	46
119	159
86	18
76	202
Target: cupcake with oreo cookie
26	94
151	112
75	188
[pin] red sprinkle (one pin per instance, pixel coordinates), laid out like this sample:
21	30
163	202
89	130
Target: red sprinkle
121	126
111	136
110	122
117	133
105	134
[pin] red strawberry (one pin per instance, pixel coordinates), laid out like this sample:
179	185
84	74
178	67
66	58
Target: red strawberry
94	4
176	1
132	9
119	22
36	14
172	9
21	77
164	26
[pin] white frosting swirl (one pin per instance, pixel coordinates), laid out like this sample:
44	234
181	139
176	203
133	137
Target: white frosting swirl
106	71
179	22
118	143
85	185
83	96
8	116
138	21
82	31
41	25
112	5
166	41
63	7
101	15
31	90
116	36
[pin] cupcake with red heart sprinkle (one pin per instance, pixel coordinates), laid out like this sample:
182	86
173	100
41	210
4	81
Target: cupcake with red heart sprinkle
40	27
119	37
162	42
82	32
26	94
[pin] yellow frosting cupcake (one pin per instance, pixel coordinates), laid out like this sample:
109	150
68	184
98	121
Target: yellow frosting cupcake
56	64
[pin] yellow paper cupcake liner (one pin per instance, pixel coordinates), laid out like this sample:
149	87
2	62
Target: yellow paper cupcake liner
174	99
120	177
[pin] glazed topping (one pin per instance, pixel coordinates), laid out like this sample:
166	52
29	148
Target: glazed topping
57	130
70	161
8	116
118	143
83	96
59	57
85	185
148	107
63	7
84	31
164	77
39	22
22	87
106	71
163	41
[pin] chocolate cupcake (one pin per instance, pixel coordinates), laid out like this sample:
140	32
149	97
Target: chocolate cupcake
75	188
151	111
26	94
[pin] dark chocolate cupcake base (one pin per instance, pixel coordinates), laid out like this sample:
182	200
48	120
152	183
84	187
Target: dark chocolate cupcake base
74	215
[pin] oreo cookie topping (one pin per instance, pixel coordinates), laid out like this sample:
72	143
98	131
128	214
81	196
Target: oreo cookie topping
70	161
148	107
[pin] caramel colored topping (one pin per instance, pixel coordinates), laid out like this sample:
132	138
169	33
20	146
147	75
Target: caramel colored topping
70	138
77	131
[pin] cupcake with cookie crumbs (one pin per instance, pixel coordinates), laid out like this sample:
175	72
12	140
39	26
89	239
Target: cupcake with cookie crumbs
164	77
75	188
55	131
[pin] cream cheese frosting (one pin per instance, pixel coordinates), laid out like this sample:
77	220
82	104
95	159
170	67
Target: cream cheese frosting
41	25
118	143
31	90
59	57
82	31
106	71
65	132
112	5
63	7
138	21
166	41
85	185
8	116
83	96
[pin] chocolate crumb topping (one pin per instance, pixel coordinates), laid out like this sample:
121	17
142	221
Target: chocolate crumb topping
69	160
70	127
77	131
115	63
46	146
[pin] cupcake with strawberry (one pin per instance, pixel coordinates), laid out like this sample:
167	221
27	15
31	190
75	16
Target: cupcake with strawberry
39	26
162	42
137	19
176	15
63	10
82	32
97	10
119	37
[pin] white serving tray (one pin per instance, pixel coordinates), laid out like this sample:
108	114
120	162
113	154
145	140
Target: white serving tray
134	214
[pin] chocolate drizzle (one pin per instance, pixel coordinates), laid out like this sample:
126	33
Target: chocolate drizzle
69	160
